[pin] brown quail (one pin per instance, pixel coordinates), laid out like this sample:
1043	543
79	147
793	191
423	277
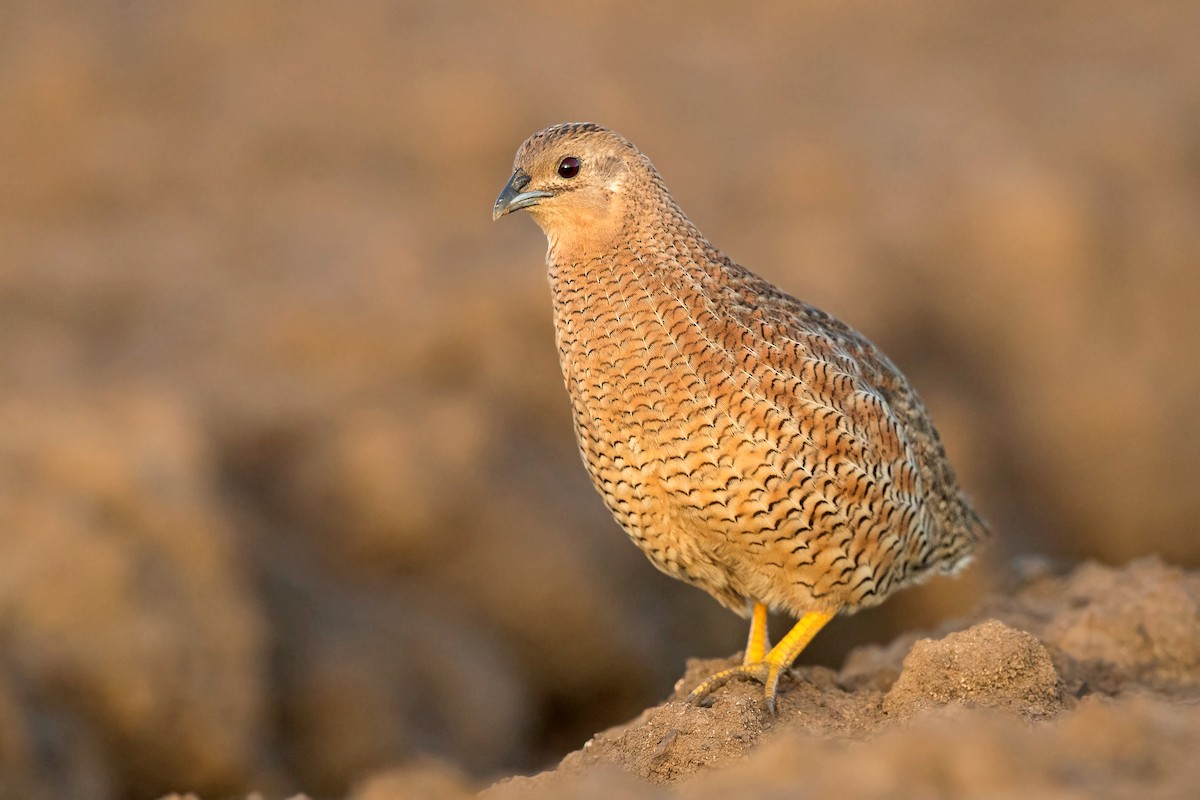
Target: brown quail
748	443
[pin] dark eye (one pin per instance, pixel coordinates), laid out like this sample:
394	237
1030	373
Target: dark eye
569	167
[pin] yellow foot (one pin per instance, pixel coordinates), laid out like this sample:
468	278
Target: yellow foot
767	670
761	672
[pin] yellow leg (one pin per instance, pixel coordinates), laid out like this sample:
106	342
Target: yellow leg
757	644
770	667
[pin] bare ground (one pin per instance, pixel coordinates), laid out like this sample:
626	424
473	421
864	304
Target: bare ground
1081	684
1077	685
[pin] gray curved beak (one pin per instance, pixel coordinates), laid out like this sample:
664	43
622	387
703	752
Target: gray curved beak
512	198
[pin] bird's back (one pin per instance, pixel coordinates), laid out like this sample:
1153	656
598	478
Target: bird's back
749	443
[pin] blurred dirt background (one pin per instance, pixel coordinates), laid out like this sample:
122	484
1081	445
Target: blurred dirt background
288	491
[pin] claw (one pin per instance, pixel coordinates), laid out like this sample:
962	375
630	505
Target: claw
768	669
761	672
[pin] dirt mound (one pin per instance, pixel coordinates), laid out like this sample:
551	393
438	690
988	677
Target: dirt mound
989	665
1097	702
1132	748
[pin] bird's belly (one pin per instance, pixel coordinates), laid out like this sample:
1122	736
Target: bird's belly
721	503
707	502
